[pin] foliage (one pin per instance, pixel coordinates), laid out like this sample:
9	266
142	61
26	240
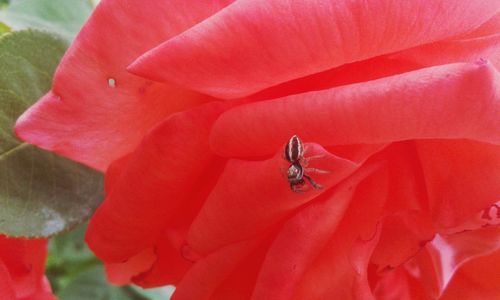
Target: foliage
53	193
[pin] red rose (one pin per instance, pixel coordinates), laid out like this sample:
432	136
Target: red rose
22	264
398	103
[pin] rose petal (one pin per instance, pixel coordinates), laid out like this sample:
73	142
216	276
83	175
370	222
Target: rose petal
398	284
402	236
121	273
489	216
201	281
252	45
170	162
42	296
435	266
6	285
407	223
25	262
96	112
490	27
168	268
461	178
482	43
450	101
360	71
477	279
455	250
340	272
468	50
301	240
251	196
114	172
241	282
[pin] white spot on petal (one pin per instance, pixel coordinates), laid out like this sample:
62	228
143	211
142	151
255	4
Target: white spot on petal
111	83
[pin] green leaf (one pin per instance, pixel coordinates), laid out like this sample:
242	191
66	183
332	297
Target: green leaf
64	17
27	61
91	284
69	249
41	194
68	257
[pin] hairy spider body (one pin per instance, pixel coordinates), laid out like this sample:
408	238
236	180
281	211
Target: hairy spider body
294	153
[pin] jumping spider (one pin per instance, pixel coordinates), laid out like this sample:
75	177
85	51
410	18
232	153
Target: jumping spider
294	153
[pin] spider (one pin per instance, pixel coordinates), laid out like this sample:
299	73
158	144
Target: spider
294	153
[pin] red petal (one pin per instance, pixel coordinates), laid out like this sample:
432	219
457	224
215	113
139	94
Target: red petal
398	284
252	45
202	280
470	50
402	236
490	27
435	267
6	285
241	282
455	250
461	178
490	216
407	190
482	43
91	121
407	222
122	273
169	266
114	172
477	279
24	260
302	239
251	196
361	71
451	101
340	272
155	186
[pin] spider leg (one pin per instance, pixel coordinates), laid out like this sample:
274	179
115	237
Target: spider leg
313	183
297	188
317	171
305	161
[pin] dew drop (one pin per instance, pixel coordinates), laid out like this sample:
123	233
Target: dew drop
111	83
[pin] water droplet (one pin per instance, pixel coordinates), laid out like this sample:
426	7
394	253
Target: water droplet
111	83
